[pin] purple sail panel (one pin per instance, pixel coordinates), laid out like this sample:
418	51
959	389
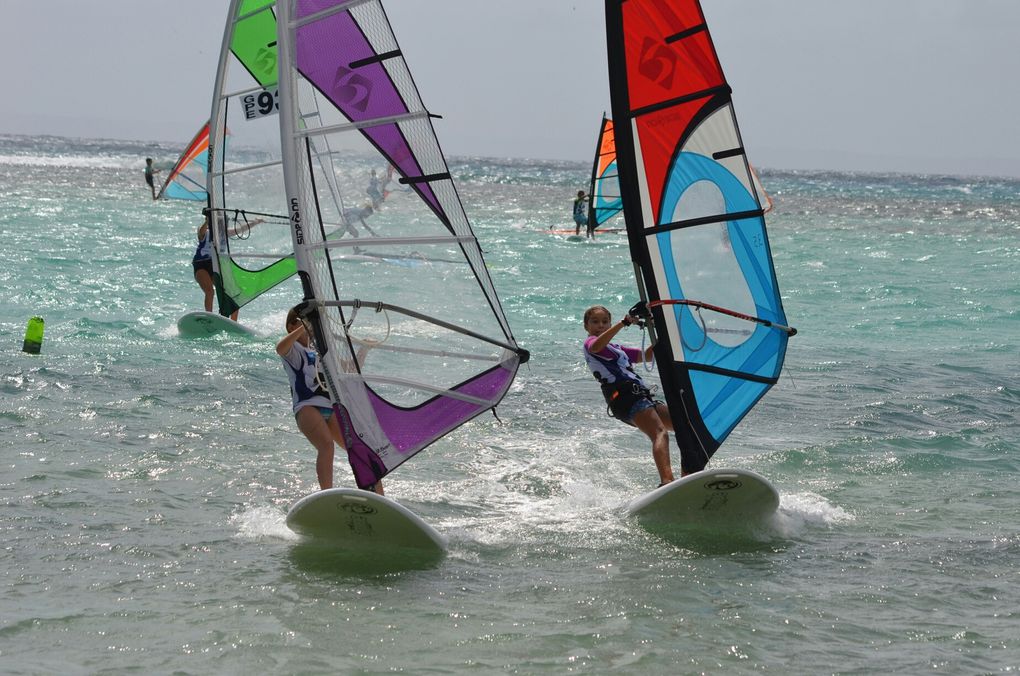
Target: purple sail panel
367	466
409	429
324	51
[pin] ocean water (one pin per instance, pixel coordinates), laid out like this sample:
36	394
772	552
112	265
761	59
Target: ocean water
145	477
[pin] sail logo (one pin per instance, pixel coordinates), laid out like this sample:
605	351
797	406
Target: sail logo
351	89
666	117
295	221
657	63
265	61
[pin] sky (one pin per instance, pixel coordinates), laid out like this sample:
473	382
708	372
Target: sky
918	86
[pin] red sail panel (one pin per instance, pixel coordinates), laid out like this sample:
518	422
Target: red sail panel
670	58
669	51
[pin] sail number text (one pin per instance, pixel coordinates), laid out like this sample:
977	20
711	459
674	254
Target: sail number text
261	104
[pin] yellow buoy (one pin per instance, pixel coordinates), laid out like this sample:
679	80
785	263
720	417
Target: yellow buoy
33	336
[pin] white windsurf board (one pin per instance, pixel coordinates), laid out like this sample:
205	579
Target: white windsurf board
203	324
362	520
712	495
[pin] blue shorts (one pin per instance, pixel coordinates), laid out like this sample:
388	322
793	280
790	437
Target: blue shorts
642	404
326	411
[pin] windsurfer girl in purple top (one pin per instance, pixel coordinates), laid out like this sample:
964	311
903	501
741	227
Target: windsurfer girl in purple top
628	398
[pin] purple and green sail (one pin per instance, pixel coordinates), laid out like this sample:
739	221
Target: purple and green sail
410	392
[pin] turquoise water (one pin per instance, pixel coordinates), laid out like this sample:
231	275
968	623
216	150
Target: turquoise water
145	477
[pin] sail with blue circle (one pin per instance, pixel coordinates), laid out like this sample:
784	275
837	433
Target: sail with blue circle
695	221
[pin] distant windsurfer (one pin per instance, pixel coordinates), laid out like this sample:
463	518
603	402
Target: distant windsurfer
375	190
628	398
580	212
313	408
359	215
149	172
201	262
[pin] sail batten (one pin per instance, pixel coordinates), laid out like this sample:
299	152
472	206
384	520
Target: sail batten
269	4
705	220
686	98
387	241
346	5
364	124
248	167
694	213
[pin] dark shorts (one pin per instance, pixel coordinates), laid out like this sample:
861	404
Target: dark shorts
639	405
626	399
148	179
202	265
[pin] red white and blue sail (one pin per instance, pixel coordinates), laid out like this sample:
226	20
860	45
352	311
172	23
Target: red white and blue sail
694	221
604	195
187	179
405	316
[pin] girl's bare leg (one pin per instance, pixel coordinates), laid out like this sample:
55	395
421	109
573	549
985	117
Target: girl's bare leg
648	421
205	281
314	427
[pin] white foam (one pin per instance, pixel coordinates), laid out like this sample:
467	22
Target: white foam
799	512
256	523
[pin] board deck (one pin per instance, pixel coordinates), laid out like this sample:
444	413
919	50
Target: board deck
203	324
361	520
712	495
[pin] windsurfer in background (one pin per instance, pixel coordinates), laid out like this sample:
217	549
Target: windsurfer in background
201	262
359	215
628	398
375	190
149	171
313	408
580	212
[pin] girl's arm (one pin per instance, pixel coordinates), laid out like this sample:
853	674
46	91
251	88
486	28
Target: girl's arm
602	341
202	229
287	342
